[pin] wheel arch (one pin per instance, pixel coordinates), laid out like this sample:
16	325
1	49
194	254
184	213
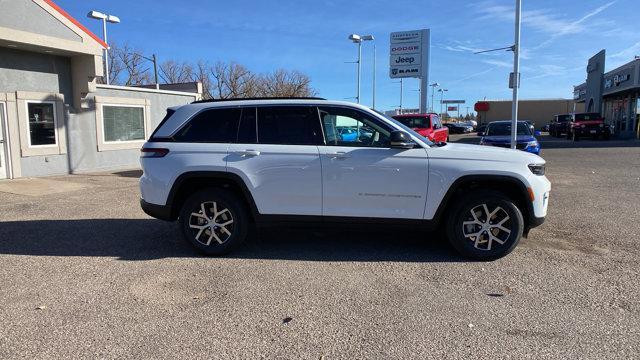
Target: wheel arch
190	182
511	186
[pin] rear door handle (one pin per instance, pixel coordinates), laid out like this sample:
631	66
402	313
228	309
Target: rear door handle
248	153
338	155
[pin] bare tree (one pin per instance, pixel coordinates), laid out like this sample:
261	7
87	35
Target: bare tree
115	66
202	73
283	83
233	81
134	65
173	72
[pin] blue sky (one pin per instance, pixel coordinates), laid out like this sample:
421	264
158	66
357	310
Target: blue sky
311	36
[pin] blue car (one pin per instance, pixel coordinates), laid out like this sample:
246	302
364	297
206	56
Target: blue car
498	133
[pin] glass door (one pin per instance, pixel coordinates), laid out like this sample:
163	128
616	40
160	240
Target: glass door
3	144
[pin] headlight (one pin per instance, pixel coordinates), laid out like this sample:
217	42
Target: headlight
537	169
532	144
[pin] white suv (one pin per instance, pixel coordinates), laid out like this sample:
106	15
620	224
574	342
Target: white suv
218	167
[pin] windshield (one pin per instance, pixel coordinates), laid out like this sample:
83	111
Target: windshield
564	118
406	128
414	121
587	117
504	129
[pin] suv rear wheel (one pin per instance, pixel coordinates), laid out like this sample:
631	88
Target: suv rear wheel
485	226
214	221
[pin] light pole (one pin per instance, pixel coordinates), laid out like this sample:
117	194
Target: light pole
373	106
441	91
358	39
516	77
105	18
401	89
433	90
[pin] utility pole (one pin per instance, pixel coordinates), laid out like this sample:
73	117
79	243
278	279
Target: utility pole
374	78
516	77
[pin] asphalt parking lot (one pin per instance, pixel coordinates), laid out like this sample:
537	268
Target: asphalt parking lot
85	273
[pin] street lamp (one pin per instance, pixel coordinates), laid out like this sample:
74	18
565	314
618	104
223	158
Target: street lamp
358	39
105	18
433	90
441	91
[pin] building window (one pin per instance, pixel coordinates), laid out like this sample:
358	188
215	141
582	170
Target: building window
123	123
42	123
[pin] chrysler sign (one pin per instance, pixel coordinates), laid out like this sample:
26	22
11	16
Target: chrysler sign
406	53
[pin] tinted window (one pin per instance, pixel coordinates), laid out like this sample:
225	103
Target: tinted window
291	125
414	121
212	126
347	127
563	118
247	129
504	129
587	116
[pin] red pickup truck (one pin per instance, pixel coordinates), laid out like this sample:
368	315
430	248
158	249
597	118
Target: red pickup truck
587	125
427	125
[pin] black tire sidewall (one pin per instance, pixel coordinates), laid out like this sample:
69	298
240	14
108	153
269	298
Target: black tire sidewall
225	199
464	246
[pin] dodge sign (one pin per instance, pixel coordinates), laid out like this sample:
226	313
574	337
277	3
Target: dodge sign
407	50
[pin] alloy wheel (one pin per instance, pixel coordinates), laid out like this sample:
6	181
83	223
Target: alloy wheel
486	227
212	222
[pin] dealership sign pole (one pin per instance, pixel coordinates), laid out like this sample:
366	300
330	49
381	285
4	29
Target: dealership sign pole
409	58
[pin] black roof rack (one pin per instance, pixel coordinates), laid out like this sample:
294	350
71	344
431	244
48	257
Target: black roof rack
259	98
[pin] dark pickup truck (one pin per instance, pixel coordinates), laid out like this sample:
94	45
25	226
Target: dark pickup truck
560	125
587	125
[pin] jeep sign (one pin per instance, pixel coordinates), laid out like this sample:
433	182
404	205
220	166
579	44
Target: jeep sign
406	52
409	58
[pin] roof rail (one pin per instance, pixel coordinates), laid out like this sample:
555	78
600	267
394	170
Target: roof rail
259	98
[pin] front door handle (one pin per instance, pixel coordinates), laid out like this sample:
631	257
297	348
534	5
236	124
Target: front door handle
249	153
338	155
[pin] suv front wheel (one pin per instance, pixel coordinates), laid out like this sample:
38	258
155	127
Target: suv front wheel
214	221
485	226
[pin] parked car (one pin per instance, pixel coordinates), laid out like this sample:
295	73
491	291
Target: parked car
427	125
560	125
498	133
457	128
588	125
545	127
472	123
218	167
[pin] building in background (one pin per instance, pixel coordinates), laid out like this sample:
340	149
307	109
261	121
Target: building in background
54	117
539	111
615	94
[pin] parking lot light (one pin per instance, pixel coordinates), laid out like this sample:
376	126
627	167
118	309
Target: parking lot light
358	39
105	19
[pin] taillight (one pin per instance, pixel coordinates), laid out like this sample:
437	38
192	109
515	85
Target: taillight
153	152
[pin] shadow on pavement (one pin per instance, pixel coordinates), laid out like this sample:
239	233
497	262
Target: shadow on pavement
550	142
129	173
148	239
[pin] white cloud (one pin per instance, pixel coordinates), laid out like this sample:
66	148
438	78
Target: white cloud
498	63
543	20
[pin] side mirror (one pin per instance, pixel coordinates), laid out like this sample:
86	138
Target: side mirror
537	133
401	140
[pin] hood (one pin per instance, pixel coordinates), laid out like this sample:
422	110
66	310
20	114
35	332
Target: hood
507	139
485	153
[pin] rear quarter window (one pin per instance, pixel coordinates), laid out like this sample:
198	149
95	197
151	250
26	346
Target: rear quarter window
211	126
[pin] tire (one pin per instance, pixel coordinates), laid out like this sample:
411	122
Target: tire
484	246
223	229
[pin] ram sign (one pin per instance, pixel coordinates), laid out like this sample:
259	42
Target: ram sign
408	53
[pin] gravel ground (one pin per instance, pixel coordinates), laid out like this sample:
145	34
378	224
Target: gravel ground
86	274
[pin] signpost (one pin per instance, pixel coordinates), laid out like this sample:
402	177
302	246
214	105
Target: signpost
409	58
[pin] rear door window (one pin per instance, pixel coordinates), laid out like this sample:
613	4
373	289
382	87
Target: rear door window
247	131
289	125
211	126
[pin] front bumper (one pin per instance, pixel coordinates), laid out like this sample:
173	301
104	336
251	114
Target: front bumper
597	131
162	212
